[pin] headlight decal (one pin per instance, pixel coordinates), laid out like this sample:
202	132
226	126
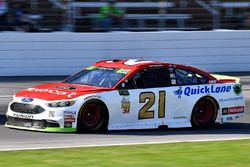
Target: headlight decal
60	104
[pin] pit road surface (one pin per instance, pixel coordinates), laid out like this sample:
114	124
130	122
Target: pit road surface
11	139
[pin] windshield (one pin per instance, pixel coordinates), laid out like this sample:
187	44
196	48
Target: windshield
98	76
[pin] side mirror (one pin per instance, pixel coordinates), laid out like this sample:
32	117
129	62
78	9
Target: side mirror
123	91
124	84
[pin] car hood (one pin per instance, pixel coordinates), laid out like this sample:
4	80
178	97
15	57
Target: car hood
59	91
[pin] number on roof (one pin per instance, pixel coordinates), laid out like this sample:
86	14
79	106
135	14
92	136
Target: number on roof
135	62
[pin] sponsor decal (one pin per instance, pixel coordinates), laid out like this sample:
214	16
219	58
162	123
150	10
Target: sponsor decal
195	90
26	116
51	113
105	68
122	71
236	110
90	67
57	92
173	81
69	119
69	116
231	99
92	97
212	81
237	116
67	124
229	118
70	112
180	117
37	124
135	62
27	100
155	65
172	75
171	69
125	105
224	111
27	124
237	89
65	87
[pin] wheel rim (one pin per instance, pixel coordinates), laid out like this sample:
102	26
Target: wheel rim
91	115
204	112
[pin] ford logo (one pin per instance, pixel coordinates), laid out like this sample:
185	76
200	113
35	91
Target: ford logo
27	100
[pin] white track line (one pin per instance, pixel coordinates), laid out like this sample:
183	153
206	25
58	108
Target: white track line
6	96
127	144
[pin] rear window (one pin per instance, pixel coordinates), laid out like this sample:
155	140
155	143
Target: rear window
189	77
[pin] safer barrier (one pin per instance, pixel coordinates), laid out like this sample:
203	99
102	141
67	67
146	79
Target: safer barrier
34	54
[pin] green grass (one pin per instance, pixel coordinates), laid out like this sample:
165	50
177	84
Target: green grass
199	154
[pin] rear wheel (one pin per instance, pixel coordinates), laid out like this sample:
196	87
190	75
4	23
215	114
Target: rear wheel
204	113
92	117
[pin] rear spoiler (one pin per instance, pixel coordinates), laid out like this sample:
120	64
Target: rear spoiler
226	79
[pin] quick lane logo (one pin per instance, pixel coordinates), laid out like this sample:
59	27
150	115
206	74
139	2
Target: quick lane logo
189	91
178	92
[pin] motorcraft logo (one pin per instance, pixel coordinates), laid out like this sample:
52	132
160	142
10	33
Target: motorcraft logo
195	90
23	116
27	100
51	91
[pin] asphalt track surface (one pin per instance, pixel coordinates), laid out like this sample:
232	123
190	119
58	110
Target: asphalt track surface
11	139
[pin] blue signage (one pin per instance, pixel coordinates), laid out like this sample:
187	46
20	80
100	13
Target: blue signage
189	91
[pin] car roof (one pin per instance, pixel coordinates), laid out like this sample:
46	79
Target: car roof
135	64
130	63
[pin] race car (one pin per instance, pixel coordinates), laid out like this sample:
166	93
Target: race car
128	94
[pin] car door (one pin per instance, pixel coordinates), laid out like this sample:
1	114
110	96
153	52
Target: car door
144	98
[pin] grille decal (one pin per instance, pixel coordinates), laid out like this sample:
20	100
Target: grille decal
26	108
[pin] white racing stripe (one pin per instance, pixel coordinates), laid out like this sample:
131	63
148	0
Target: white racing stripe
127	144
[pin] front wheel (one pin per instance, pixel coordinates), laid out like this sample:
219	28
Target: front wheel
204	113
92	117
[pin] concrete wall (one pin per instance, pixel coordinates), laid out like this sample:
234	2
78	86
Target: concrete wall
23	54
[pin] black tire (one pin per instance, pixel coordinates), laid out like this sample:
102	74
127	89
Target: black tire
204	113
92	117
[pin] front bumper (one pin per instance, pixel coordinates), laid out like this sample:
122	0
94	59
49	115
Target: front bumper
36	125
50	120
43	130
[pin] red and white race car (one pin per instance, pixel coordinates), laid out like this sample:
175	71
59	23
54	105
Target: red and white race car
128	94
